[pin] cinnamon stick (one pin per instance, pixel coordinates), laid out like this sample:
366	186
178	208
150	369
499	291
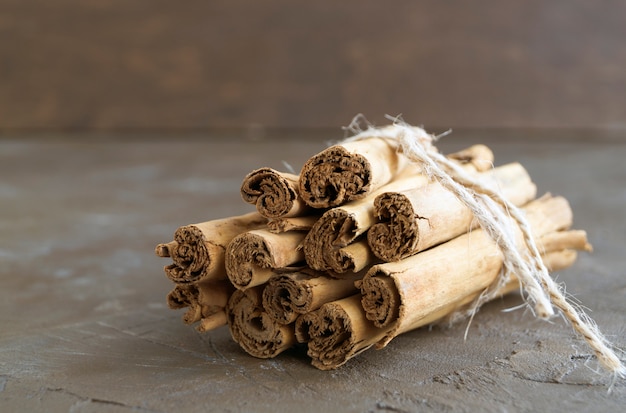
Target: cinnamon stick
182	296
554	261
340	330
274	193
213	321
286	224
573	239
253	257
349	171
163	250
453	312
336	332
342	225
352	258
479	156
250	326
557	260
286	296
205	300
413	220
198	250
401	294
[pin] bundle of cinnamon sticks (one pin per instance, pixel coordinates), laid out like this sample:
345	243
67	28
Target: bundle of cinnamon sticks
361	246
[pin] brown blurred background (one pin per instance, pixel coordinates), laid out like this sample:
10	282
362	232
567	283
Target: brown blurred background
192	65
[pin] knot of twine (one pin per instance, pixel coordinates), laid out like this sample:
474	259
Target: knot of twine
498	218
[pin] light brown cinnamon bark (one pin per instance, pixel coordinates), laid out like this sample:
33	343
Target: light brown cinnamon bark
182	296
198	250
573	239
274	193
254	256
402	294
342	262
558	260
286	224
554	261
414	220
163	250
253	329
204	301
336	332
340	226
213	321
286	296
349	171
340	330
479	156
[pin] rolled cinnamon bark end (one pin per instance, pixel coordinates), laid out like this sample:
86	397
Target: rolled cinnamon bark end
380	299
341	227
322	239
200	248
349	171
203	300
336	332
213	321
413	220
435	281
253	257
274	193
397	233
350	259
330	246
193	314
174	272
251	327
163	250
286	296
303	324
193	256
182	296
186	296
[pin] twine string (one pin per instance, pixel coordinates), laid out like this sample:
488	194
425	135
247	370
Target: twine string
498	218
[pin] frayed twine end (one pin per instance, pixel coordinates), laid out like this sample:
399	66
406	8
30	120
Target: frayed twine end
494	213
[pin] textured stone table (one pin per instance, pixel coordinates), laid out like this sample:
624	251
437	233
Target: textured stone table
83	321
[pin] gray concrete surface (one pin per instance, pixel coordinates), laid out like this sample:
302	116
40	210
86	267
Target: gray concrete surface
84	326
